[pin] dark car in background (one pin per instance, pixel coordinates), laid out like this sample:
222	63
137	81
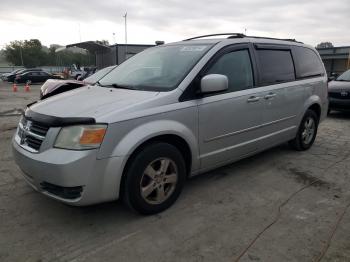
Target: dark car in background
5	75
35	77
54	87
12	77
339	92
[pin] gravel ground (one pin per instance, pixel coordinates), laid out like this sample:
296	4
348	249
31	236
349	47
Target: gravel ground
280	205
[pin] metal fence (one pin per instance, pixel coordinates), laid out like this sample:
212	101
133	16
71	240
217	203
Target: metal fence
50	69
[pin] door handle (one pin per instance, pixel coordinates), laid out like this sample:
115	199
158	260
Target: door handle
269	96
253	99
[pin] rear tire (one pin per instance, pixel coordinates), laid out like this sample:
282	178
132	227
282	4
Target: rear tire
154	178
307	132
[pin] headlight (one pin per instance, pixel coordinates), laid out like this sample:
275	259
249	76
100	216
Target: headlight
81	137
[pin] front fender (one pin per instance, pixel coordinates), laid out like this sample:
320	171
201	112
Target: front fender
141	133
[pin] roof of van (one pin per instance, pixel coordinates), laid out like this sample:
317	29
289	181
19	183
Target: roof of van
237	38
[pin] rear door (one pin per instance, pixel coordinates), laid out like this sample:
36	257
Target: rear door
34	77
229	121
44	76
282	96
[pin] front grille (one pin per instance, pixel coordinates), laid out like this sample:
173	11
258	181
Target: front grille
33	142
64	192
31	134
340	95
39	128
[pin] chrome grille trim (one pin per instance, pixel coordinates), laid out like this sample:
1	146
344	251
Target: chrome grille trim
30	135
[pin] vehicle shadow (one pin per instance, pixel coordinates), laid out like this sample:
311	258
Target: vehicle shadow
117	214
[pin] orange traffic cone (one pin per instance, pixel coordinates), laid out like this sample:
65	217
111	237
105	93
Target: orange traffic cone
27	87
14	87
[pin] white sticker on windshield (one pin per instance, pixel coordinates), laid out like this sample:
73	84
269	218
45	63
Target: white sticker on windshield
193	48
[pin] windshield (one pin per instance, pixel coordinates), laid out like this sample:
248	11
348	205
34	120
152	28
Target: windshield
344	77
98	75
161	68
16	71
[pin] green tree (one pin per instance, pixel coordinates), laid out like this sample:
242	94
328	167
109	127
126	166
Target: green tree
28	53
13	52
103	42
324	45
31	53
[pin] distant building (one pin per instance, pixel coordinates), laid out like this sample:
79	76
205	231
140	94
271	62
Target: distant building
110	55
335	59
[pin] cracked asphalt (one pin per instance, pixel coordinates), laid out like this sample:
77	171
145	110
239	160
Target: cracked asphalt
280	205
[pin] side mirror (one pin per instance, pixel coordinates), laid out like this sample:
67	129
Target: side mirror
214	83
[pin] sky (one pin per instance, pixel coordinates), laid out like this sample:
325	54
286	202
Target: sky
65	22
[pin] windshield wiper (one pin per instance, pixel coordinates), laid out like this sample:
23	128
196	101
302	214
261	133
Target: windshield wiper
115	86
99	84
122	86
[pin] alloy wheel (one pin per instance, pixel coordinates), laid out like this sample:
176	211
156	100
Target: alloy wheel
309	130
159	180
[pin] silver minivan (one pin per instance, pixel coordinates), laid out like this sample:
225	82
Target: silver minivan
170	112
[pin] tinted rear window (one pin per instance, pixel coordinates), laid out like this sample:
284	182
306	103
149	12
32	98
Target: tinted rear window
307	63
276	66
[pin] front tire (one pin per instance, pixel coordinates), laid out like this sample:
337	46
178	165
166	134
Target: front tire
307	132
154	178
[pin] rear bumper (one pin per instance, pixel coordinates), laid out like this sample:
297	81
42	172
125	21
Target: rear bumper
73	177
339	104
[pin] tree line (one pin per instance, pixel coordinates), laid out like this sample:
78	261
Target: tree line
31	53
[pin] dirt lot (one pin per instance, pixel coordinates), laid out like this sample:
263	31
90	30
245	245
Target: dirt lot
280	205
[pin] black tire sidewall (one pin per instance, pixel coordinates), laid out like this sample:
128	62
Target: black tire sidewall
138	163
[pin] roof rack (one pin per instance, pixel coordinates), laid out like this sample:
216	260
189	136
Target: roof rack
272	38
231	35
240	35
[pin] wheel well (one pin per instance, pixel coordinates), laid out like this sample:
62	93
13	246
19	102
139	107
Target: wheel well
174	140
317	109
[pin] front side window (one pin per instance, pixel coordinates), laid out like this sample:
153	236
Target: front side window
237	67
276	66
160	68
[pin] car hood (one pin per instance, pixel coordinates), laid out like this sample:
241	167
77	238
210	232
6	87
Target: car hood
339	86
53	84
92	101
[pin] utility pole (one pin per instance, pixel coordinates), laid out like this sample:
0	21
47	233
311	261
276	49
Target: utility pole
79	33
20	52
126	34
114	42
